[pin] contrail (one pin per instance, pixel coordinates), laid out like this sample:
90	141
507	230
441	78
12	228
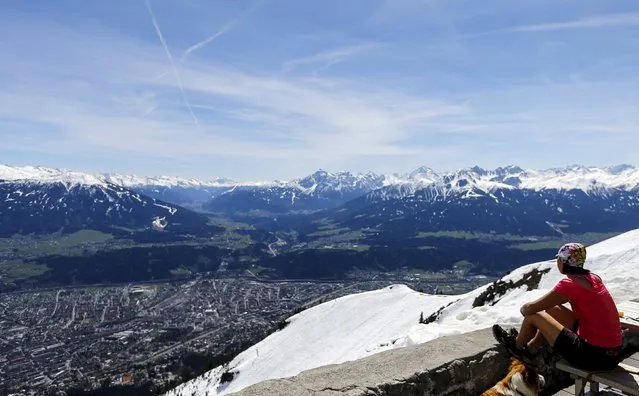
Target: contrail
168	53
225	29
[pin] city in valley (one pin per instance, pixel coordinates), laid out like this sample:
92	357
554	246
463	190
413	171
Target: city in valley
156	335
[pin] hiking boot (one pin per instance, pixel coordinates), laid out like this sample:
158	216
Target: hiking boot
504	337
508	340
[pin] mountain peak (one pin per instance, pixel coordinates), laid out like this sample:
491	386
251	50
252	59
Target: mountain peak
320	173
509	170
423	172
342	182
478	170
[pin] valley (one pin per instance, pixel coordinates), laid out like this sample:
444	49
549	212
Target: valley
91	257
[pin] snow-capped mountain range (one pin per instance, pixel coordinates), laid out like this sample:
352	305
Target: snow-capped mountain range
476	181
49	175
43	174
466	207
587	179
508	199
133	181
323	190
42	200
359	325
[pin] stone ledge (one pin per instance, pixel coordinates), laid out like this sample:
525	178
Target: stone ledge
464	364
454	365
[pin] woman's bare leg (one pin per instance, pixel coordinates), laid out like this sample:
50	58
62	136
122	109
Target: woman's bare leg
547	325
563	315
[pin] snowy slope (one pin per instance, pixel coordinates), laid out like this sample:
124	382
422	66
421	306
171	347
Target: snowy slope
582	178
616	260
48	175
359	325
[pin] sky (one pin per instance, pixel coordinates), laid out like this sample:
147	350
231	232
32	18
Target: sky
276	89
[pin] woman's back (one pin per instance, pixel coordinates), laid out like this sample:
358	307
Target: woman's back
594	307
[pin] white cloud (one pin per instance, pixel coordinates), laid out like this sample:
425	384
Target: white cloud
112	100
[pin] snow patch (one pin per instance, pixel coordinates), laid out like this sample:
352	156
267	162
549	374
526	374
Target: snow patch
159	223
171	210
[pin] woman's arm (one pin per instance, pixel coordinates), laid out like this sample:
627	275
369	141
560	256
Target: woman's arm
549	300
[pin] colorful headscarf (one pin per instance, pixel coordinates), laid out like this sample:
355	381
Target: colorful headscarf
573	254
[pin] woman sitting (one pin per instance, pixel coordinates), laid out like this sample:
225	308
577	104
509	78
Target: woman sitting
588	336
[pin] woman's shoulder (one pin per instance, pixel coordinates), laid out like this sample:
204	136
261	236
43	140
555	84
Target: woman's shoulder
589	280
594	278
565	282
571	281
568	279
591	276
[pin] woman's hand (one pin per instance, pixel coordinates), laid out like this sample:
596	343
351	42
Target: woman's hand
525	309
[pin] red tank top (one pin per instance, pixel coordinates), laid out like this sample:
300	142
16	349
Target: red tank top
599	322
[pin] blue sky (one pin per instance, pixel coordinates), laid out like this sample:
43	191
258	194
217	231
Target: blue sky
265	89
